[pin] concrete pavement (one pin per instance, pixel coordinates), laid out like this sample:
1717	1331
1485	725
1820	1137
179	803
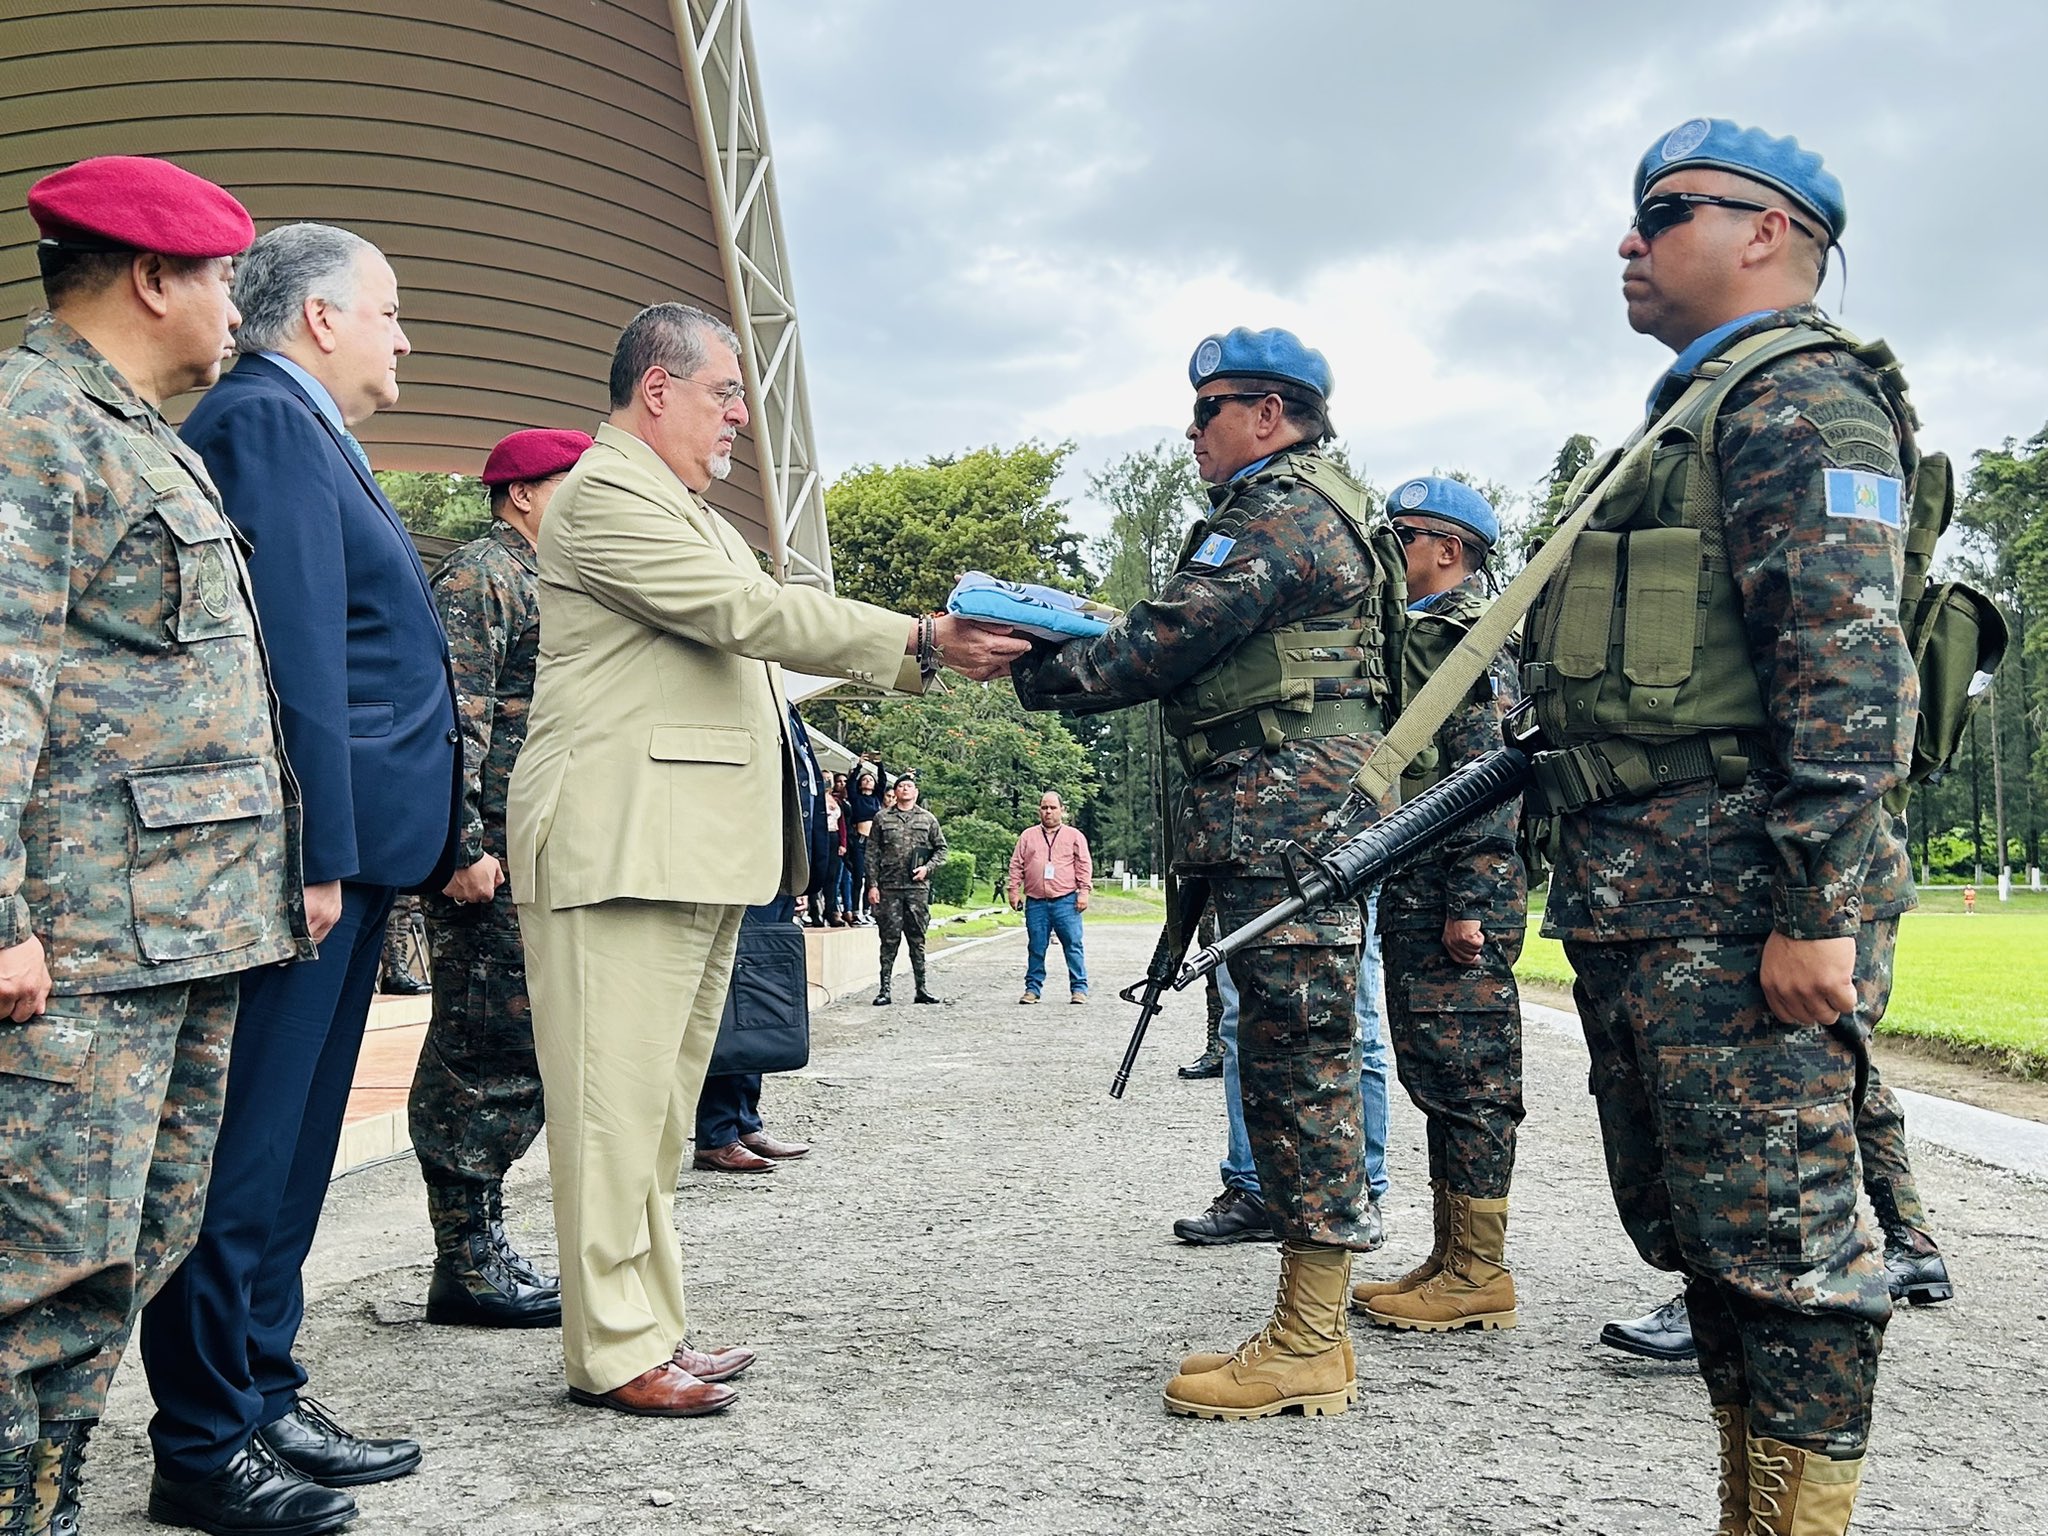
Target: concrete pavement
967	1299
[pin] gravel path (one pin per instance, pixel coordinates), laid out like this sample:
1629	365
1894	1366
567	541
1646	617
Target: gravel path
966	1301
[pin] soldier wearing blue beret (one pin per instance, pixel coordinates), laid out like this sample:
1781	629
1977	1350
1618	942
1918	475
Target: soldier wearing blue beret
1273	648
1451	929
1721	669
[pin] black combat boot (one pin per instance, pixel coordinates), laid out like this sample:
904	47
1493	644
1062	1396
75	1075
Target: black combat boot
923	995
515	1261
17	1489
1210	1062
1913	1265
882	998
59	1464
473	1285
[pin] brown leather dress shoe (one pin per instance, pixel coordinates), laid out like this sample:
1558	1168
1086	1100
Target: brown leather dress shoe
731	1158
666	1392
763	1145
711	1364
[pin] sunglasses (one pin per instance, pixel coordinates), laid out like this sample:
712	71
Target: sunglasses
1209	407
1667	210
1408	533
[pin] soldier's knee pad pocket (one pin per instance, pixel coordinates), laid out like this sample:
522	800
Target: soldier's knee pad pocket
53	1194
1759	1150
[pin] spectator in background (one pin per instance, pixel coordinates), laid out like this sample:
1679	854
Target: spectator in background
827	837
1051	879
864	805
849	897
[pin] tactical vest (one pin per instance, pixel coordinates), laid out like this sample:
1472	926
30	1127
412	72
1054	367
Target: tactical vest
1263	692
1433	633
1641	674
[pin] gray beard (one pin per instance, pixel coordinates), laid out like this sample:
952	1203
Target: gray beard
720	467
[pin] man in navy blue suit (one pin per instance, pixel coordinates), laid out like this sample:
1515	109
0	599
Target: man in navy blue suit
361	670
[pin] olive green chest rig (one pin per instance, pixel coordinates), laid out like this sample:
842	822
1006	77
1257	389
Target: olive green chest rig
1263	692
1638	666
1433	634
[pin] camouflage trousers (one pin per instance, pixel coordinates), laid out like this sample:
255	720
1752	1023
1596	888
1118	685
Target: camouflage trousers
1881	1138
1731	1148
902	917
475	1105
1457	1033
110	1103
1298	1063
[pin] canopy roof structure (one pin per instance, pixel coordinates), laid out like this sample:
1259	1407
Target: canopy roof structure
537	171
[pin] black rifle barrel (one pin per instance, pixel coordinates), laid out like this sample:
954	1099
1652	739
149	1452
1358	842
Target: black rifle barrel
1362	861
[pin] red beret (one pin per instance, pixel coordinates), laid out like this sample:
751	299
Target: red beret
132	203
534	455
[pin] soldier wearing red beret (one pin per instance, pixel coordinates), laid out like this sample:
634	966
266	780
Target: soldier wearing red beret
476	1096
147	831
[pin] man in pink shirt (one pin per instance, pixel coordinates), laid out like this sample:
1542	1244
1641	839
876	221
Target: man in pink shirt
1051	879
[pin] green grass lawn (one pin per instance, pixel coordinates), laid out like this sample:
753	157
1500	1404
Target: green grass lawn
1978	983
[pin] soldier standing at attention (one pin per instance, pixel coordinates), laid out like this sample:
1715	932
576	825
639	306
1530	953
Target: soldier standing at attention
904	847
1274	648
476	1096
148	835
1452	928
1721	667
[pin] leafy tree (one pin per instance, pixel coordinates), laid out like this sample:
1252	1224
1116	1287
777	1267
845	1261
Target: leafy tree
978	753
990	842
444	506
1153	496
902	535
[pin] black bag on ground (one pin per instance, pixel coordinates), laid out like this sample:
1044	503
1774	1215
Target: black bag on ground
767	1023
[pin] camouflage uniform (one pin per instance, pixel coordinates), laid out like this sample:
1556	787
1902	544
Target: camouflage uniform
1731	1142
148	836
1457	1030
1291	557
476	1096
899	842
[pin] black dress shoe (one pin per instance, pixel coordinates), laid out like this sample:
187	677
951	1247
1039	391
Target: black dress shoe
255	1494
1921	1278
309	1441
1665	1334
1235	1216
1208	1064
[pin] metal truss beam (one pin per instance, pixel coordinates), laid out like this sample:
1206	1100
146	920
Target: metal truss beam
718	61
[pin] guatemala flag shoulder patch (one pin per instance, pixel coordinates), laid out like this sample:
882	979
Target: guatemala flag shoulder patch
1859	493
1213	550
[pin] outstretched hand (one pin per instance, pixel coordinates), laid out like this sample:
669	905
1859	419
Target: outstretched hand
976	651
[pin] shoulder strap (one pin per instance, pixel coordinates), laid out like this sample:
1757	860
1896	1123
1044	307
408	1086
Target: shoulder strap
1448	685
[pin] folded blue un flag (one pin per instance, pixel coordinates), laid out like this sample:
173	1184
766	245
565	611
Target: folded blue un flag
1044	612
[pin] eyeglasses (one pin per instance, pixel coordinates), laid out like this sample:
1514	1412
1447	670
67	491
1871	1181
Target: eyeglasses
1209	407
1408	533
1667	210
726	393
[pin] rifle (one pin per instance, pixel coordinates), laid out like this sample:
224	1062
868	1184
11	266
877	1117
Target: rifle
1363	860
1185	899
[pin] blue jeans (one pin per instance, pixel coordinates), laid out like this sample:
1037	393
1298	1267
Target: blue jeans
1042	919
1237	1171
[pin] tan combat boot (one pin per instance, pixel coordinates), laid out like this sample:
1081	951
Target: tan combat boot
1731	1423
1473	1289
1794	1492
1367	1291
1302	1357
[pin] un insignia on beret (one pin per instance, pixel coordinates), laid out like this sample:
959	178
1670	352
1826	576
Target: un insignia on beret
1413	495
1685	138
1208	357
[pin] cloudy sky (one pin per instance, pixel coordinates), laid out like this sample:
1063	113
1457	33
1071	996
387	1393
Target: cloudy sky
1016	220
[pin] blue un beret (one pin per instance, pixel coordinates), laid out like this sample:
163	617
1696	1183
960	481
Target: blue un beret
1249	354
1450	500
1718	144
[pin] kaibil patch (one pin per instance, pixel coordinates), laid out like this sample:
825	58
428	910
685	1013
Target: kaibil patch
1213	550
1859	493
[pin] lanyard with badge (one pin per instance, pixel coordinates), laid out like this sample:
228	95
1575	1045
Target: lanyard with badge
1050	839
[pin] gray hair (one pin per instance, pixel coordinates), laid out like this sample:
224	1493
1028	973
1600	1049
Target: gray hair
286	267
670	336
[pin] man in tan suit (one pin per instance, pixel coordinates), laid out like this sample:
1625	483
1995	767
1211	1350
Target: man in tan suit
654	801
